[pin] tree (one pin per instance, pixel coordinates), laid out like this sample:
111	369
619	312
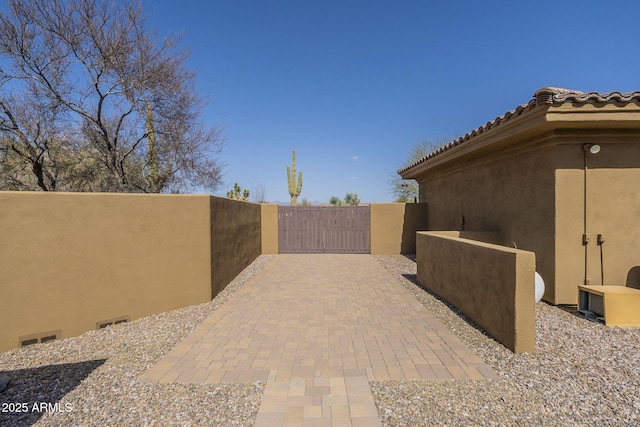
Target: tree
87	84
260	193
294	187
335	201
35	151
407	191
351	199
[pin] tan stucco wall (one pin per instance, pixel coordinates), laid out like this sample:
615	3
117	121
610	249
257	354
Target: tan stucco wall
525	180
613	209
269	228
68	261
394	226
535	200
236	239
512	196
495	289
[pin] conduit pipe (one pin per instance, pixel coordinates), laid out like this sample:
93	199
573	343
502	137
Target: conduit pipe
587	149
600	242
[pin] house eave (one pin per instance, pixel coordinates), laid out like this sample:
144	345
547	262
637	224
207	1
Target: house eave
551	109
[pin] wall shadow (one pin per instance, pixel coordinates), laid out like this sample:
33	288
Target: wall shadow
45	385
413	278
414	220
411	257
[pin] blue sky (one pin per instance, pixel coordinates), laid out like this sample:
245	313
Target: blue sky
352	86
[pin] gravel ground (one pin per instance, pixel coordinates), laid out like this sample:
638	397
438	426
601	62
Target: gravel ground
582	373
93	378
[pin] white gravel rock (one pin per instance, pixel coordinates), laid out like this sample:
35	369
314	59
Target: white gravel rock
92	379
582	373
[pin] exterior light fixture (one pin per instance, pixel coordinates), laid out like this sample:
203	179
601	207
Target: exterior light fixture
591	148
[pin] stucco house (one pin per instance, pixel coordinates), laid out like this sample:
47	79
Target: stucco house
558	176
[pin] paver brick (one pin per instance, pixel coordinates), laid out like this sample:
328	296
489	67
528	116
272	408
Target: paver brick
316	329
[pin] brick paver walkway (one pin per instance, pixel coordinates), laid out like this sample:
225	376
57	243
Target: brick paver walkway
316	329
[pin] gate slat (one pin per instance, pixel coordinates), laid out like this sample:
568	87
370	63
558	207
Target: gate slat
324	229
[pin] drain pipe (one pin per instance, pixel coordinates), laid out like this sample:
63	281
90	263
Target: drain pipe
592	149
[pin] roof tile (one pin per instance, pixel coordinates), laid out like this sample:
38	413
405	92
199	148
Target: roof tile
545	96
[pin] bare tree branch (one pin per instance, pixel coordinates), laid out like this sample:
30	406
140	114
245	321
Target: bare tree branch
90	69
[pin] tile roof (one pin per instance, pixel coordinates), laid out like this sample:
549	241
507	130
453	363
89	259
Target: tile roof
545	96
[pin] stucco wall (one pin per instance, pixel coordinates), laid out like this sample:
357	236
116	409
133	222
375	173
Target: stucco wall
535	200
522	175
394	226
236	239
612	209
510	194
69	261
495	289
269	228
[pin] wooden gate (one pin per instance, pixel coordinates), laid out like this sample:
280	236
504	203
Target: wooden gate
324	229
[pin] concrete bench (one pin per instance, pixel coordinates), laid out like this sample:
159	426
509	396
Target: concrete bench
613	305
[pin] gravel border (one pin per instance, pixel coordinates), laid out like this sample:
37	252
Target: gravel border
92	379
583	373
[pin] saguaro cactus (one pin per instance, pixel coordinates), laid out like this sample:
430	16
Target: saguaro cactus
156	178
294	188
152	154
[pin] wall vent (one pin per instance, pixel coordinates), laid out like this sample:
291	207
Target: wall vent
24	343
115	321
41	337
